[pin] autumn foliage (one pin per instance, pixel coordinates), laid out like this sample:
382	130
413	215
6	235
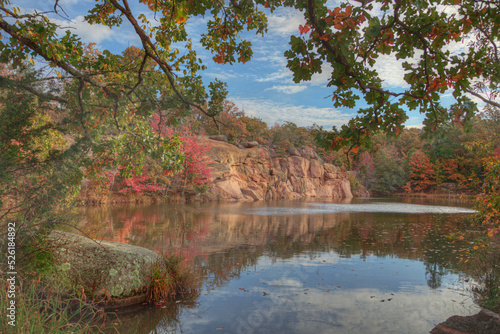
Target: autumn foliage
422	173
195	172
488	203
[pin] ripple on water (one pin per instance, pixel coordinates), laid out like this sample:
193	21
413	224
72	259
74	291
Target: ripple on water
322	208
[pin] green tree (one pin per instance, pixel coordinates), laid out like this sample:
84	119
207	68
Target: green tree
389	171
289	135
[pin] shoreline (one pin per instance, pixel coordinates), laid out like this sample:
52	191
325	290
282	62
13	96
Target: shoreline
132	199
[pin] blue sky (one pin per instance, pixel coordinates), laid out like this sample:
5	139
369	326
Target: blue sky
262	87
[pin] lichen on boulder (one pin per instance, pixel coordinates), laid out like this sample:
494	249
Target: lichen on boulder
100	269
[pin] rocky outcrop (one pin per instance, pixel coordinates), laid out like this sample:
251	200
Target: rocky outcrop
485	322
253	174
103	270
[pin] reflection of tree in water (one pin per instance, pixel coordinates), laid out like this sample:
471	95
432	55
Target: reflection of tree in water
219	268
219	242
485	267
434	273
440	254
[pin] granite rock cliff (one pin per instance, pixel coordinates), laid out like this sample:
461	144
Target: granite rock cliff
255	174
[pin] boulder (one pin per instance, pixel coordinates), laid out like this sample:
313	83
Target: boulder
101	269
325	191
297	166
249	144
253	194
218	138
316	170
294	152
485	322
229	189
308	153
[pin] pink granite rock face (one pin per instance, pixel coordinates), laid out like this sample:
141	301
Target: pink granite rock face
250	174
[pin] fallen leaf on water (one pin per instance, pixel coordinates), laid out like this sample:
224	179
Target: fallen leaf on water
220	328
339	287
192	315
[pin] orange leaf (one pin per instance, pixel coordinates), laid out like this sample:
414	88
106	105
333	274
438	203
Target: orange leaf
325	38
304	29
348	10
355	149
181	19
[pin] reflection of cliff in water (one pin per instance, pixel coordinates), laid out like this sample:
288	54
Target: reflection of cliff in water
222	241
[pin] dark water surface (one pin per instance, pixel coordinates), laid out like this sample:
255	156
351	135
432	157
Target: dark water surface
362	266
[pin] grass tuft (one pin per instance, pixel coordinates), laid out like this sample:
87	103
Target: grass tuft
39	309
170	279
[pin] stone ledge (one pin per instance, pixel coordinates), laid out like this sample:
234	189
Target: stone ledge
485	322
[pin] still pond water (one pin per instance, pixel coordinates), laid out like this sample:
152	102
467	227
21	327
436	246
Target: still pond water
368	266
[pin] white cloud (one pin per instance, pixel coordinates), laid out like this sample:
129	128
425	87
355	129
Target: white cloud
322	79
65	3
270	56
283	73
96	33
273	112
288	89
391	71
222	75
285	22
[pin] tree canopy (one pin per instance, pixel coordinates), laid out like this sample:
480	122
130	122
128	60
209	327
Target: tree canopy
441	45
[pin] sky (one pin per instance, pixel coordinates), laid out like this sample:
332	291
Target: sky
262	87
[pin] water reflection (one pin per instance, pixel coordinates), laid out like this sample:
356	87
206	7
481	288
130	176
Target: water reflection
298	267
